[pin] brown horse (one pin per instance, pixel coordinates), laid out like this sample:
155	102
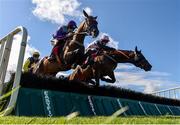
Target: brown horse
105	64
73	50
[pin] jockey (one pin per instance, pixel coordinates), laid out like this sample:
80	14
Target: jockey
60	37
95	48
31	61
64	32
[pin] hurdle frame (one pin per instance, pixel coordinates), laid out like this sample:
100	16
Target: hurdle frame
5	50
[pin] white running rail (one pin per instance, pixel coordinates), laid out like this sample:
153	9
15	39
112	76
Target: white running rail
6	44
173	93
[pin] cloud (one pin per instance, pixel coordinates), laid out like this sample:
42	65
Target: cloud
142	81
57	10
13	60
125	67
88	10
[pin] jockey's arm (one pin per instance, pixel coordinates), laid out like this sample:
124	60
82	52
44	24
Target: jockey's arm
26	65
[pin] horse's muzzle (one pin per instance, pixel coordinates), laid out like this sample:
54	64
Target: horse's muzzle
148	68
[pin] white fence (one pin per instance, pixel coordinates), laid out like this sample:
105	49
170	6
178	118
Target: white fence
5	50
173	93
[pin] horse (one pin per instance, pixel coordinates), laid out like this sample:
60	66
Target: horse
73	49
105	64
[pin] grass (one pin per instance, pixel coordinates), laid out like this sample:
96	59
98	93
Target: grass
90	120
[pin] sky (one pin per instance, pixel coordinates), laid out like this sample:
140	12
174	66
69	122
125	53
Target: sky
152	25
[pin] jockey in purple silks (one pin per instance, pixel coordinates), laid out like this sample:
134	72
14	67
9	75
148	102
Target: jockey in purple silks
59	39
95	48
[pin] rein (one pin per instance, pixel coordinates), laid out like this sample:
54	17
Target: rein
80	44
110	57
123	54
82	33
119	51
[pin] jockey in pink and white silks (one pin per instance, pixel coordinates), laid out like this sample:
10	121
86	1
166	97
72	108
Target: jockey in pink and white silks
95	48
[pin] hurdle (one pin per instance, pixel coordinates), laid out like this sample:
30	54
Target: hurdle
5	50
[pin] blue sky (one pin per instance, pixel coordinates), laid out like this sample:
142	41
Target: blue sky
152	25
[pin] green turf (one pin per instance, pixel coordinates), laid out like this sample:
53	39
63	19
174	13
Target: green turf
90	120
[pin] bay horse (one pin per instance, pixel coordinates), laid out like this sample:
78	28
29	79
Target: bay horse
105	64
73	50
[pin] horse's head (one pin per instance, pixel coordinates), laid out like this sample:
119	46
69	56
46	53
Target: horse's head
91	25
140	61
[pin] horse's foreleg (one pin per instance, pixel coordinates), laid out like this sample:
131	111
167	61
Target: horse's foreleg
112	80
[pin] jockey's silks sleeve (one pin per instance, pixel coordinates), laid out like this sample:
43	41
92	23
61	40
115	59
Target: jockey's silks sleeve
26	65
60	33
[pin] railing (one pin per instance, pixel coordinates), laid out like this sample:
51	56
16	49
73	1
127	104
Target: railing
173	93
5	50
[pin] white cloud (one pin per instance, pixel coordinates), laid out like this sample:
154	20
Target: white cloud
148	81
57	10
13	60
88	10
125	67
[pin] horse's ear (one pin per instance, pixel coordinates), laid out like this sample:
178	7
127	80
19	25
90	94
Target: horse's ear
85	14
136	50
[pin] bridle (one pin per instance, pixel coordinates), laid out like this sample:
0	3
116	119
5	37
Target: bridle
89	27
